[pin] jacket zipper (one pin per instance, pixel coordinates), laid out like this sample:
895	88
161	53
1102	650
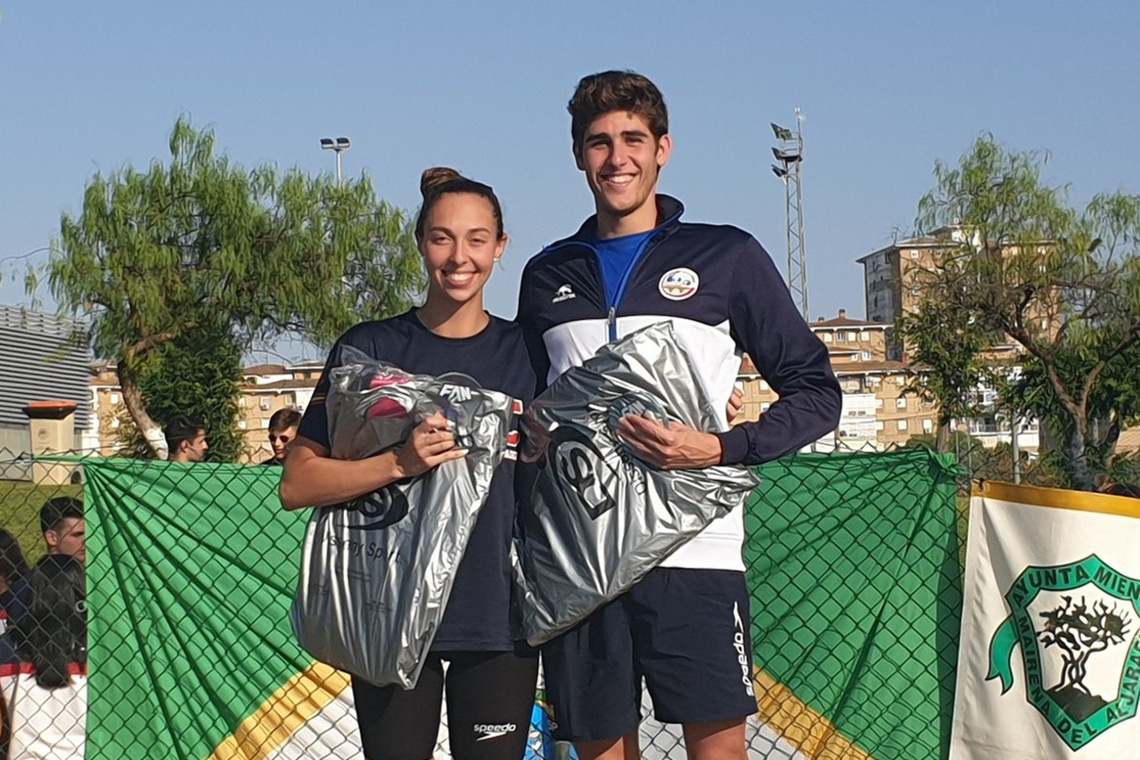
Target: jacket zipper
625	280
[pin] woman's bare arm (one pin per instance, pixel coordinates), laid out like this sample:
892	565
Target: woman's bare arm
313	479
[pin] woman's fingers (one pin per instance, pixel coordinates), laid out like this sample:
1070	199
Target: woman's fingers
435	422
432	447
437	459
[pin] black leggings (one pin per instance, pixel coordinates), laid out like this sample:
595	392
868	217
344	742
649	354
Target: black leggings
490	696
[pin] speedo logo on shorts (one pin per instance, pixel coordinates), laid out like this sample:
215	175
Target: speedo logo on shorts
493	730
741	650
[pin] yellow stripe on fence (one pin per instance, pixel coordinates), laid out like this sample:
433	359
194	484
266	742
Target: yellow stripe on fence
799	725
294	704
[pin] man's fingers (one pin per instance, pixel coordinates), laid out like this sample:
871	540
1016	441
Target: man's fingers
648	430
735	404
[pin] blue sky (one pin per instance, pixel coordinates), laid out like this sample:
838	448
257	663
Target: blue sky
887	88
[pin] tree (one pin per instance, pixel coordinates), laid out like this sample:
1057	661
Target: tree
1018	261
1113	403
197	374
201	244
946	350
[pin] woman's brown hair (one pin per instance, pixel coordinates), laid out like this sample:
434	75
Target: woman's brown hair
439	181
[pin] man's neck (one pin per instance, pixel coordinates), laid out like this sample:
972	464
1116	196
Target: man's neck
642	220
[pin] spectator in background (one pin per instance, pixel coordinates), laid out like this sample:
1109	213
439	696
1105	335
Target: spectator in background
46	692
13	570
65	535
185	440
64	528
282	432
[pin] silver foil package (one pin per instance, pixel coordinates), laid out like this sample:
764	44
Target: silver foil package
377	571
597	518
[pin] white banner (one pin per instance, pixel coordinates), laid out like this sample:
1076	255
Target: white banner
1049	663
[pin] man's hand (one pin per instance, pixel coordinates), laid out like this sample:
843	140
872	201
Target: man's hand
735	405
672	447
430	445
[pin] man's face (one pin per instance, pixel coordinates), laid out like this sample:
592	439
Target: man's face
69	537
282	441
622	159
195	449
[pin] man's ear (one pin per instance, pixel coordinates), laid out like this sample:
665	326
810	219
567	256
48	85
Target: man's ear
51	538
664	150
577	151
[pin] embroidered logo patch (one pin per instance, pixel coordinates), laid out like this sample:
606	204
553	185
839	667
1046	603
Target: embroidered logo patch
679	284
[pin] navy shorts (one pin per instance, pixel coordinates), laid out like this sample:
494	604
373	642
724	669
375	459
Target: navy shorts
686	632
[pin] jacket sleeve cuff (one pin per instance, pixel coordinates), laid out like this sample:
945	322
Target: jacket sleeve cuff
733	445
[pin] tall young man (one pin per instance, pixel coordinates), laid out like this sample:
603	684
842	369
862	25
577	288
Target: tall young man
633	264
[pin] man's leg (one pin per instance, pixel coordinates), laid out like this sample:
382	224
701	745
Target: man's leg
622	748
718	740
593	685
691	640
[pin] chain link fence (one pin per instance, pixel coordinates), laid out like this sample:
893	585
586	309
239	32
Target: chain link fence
854	563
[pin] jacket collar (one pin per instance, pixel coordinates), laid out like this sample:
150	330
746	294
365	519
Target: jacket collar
669	211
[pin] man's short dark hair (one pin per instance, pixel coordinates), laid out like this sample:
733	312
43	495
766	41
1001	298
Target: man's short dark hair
180	429
57	509
283	419
608	91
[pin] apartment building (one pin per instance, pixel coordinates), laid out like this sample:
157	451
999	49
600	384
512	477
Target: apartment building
876	413
852	341
889	284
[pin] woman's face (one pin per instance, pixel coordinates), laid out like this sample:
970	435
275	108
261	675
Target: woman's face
460	246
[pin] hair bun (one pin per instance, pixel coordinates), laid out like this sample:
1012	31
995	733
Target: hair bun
435	178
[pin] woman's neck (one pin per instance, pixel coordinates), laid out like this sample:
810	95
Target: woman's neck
452	320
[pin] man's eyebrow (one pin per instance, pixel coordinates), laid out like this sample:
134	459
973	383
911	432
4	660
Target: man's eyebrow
625	134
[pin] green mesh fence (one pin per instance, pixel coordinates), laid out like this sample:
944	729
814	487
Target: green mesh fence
854	561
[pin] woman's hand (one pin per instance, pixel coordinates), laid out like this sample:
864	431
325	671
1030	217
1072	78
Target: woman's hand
431	444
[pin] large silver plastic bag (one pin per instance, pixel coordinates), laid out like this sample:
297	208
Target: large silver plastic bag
376	572
599	519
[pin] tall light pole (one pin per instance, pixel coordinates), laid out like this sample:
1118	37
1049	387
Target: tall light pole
338	145
790	155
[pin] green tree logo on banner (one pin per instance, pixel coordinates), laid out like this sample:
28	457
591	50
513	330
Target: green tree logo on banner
1077	629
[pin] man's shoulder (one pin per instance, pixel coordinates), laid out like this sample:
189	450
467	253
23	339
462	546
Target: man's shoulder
726	233
555	253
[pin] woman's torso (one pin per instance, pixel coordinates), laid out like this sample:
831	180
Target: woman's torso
478	612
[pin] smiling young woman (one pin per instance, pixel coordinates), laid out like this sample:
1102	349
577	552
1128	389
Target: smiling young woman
491	673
